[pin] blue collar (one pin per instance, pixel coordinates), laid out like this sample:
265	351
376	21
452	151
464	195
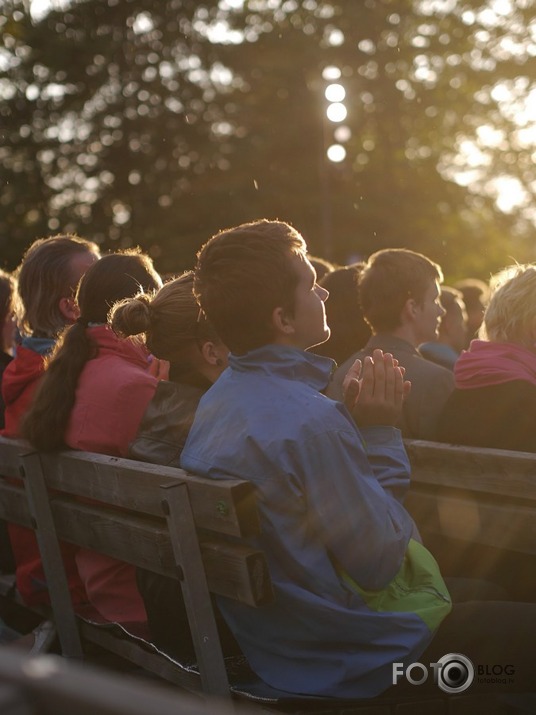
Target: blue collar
42	346
286	362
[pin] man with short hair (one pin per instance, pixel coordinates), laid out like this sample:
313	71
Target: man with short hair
356	598
334	530
399	294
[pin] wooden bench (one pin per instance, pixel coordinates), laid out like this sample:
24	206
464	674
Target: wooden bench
49	684
148	516
476	511
190	529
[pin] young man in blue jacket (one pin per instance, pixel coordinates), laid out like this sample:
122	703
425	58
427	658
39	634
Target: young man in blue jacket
335	533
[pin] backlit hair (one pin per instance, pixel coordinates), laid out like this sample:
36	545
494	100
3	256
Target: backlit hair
242	275
390	277
114	277
510	314
45	276
170	320
8	287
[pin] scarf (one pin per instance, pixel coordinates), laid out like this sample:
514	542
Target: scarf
488	363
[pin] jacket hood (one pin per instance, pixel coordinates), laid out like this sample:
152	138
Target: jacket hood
109	343
23	370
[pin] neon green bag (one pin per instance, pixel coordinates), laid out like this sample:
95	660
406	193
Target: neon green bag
417	588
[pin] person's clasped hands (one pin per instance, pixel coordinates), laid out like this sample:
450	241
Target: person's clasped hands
375	390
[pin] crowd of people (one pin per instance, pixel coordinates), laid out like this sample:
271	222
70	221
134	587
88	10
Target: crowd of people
269	364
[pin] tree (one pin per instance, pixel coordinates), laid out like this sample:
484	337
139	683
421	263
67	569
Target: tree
157	123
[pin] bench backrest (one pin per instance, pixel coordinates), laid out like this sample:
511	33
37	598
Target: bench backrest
190	528
475	507
158	518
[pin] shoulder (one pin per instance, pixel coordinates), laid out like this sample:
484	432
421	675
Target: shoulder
334	388
418	368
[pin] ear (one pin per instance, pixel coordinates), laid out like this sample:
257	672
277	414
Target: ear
409	311
210	353
282	322
69	309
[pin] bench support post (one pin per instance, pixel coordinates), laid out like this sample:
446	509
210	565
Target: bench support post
205	636
58	588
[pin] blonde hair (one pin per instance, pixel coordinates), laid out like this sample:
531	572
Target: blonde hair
170	319
510	314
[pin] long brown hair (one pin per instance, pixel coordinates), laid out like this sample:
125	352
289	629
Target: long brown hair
113	277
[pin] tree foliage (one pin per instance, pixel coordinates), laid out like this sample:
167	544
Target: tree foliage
158	123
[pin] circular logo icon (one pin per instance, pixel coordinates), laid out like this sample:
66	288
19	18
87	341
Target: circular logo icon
456	673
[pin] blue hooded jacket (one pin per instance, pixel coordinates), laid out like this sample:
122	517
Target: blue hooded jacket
330	499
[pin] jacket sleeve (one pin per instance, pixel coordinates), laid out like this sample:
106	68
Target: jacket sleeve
388	459
362	525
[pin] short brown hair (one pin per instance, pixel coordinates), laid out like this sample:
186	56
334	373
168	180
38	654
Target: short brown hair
242	275
44	277
389	278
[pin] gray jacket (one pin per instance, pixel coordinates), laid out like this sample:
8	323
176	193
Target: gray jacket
431	385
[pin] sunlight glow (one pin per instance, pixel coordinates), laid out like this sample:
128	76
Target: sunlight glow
331	73
510	193
336	112
335	93
336	153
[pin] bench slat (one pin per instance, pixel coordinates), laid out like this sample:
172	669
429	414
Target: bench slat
225	506
475	521
233	569
490	471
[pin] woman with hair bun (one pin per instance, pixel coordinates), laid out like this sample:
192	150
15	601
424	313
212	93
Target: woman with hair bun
92	396
174	330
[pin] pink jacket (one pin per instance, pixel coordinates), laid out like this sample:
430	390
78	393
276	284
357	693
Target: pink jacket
113	392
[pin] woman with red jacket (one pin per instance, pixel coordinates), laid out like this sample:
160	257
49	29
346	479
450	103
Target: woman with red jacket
92	397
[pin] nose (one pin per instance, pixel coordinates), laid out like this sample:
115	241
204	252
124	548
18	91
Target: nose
322	293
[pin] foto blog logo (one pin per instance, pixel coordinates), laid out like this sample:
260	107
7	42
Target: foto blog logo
453	673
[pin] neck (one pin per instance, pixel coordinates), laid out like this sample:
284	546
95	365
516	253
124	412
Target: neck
407	333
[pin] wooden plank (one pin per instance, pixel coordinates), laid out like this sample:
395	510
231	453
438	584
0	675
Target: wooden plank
233	570
55	686
195	593
491	523
491	471
226	506
10	451
13	504
51	557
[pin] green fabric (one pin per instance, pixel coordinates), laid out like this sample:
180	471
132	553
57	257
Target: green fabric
418	587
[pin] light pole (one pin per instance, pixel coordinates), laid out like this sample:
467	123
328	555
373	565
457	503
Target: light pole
333	150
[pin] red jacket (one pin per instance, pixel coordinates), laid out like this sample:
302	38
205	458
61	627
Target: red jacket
19	382
113	392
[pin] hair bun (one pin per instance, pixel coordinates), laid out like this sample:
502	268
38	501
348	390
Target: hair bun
131	316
